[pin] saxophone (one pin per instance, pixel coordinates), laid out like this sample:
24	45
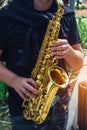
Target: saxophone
46	73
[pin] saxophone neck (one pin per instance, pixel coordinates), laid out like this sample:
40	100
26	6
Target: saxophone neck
59	13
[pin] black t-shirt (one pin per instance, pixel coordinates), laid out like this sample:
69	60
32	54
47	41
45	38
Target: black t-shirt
12	41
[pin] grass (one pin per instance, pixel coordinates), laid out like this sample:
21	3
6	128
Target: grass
82	27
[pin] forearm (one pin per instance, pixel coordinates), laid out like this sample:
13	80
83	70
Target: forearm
23	86
6	75
74	59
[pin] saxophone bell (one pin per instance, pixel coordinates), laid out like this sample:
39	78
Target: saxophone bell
58	79
58	76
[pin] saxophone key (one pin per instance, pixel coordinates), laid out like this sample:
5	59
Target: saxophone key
41	107
48	49
44	62
44	92
39	112
55	61
38	82
32	114
42	70
40	77
37	119
47	57
45	97
30	105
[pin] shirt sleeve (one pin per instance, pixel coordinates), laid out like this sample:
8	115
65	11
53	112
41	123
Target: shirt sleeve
74	37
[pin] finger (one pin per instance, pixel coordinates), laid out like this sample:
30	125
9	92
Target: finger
63	47
59	47
32	82
29	94
57	53
59	57
23	96
60	42
65	51
31	89
55	48
61	53
26	94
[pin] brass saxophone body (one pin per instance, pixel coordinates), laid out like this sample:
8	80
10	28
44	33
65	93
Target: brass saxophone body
46	73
